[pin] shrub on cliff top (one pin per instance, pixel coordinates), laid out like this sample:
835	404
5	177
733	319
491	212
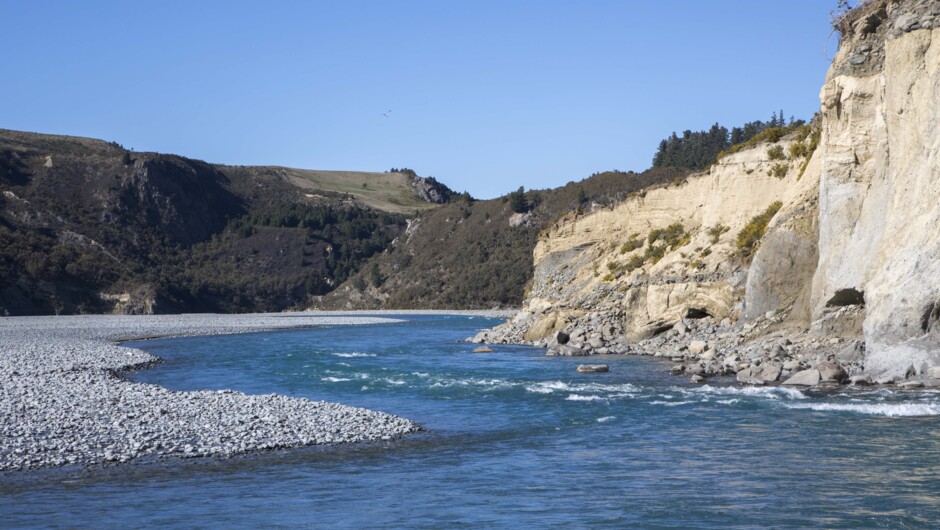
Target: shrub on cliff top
775	152
772	135
749	237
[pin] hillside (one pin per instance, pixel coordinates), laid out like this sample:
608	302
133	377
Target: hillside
89	227
478	254
86	226
395	192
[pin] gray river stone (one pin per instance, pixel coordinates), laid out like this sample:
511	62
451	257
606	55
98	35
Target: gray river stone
63	400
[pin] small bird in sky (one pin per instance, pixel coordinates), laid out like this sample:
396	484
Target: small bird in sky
387	114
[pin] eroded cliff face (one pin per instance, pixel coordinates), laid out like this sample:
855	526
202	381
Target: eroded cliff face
663	254
852	255
879	210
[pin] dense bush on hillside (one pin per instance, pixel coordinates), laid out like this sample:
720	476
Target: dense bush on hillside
469	256
89	224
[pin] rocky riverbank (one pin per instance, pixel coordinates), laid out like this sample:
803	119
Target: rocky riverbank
64	402
816	266
764	351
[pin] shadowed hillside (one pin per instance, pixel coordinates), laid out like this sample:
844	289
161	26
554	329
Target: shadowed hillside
478	254
87	226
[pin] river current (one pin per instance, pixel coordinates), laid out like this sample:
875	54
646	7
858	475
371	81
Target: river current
514	439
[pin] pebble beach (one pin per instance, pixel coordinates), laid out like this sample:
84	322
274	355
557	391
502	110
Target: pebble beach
64	401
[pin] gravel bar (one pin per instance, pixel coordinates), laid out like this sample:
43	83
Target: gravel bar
63	400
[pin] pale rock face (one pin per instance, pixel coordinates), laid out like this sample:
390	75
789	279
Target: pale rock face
879	213
854	249
519	219
781	272
809	377
545	327
572	260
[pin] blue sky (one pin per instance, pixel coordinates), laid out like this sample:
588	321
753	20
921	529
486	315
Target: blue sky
485	95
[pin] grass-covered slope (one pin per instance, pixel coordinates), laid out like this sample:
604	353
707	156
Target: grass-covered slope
395	192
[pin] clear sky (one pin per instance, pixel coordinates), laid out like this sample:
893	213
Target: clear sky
485	95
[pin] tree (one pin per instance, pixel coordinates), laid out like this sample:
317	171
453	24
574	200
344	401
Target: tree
315	285
699	149
535	200
375	275
518	202
694	150
581	196
359	283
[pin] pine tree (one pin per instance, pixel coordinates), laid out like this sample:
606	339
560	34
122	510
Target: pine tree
375	275
518	202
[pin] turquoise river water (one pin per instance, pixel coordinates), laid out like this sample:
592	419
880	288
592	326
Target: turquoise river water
514	439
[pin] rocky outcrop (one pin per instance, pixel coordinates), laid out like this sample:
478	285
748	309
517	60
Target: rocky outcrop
781	273
663	254
849	263
187	199
879	187
428	189
142	300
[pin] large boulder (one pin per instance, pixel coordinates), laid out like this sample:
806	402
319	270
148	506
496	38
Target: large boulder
747	377
809	377
681	328
759	375
769	372
565	350
830	371
592	368
697	346
543	327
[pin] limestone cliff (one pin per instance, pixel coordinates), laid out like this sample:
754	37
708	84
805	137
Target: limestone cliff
852	248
